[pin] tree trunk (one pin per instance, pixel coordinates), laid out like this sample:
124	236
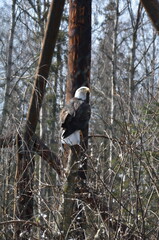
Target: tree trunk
132	65
24	189
40	165
55	88
113	92
79	55
25	162
45	59
79	58
8	66
152	8
113	81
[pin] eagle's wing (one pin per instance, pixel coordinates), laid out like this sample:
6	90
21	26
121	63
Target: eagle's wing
83	114
74	116
66	114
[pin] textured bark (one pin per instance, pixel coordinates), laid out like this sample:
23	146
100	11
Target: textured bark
152	8
79	58
79	55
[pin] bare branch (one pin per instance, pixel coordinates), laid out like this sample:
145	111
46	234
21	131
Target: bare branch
100	205
39	147
51	158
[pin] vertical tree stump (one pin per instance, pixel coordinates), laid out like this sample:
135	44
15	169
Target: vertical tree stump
79	60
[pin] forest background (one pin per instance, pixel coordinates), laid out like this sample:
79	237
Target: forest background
123	153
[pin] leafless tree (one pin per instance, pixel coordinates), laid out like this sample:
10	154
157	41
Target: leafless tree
115	193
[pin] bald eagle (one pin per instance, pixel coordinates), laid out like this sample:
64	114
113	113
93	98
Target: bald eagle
75	117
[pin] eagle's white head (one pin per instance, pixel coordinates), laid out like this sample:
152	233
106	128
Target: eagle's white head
81	93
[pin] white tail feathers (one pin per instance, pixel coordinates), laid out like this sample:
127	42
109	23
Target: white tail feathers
71	140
